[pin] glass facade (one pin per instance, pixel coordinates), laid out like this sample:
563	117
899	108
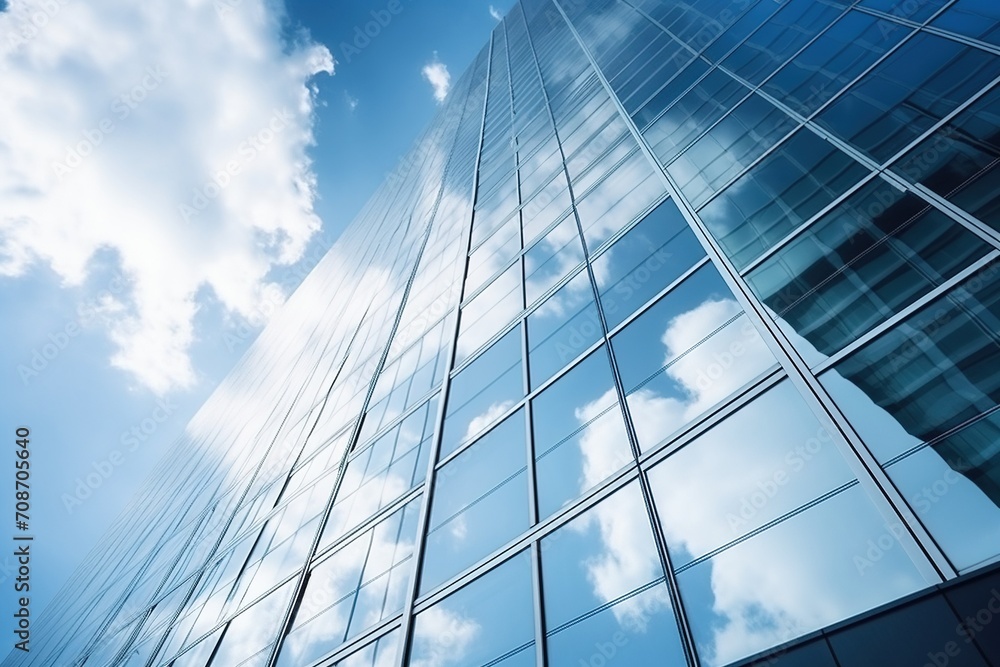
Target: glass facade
674	339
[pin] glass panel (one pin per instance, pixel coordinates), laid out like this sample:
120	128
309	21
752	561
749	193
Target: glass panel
579	433
480	502
363	583
748	470
549	260
929	374
689	351
959	160
489	311
490	621
250	636
562	328
645	260
381	653
901	98
873	255
694	113
826	66
809	571
382	472
906	9
618	199
483	391
782	35
604	589
975	18
729	147
928	390
779	194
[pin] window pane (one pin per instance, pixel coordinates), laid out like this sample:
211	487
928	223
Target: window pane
779	194
483	391
562	328
380	653
645	260
729	148
959	161
974	18
549	260
361	584
803	574
489	618
604	588
579	433
490	311
873	255
480	502
901	98
688	352
745	472
825	67
924	398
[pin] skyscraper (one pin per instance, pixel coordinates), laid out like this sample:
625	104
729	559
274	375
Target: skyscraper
675	340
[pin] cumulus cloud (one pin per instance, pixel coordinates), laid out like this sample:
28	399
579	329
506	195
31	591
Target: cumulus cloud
439	77
496	13
181	150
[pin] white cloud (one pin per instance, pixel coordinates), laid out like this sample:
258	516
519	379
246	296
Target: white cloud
438	76
496	13
444	637
183	151
352	102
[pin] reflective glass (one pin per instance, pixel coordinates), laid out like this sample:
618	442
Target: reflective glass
617	200
604	589
745	472
959	160
692	349
381	472
480	502
380	653
979	19
825	67
778	194
729	148
779	38
579	433
927	389
907	93
549	260
811	570
645	260
489	621
906	9
867	259
250	636
559	330
483	391
488	312
362	583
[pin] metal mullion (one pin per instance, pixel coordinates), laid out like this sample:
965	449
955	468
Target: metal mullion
928	558
423	521
687	640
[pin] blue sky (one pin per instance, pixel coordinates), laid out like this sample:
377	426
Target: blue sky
164	189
